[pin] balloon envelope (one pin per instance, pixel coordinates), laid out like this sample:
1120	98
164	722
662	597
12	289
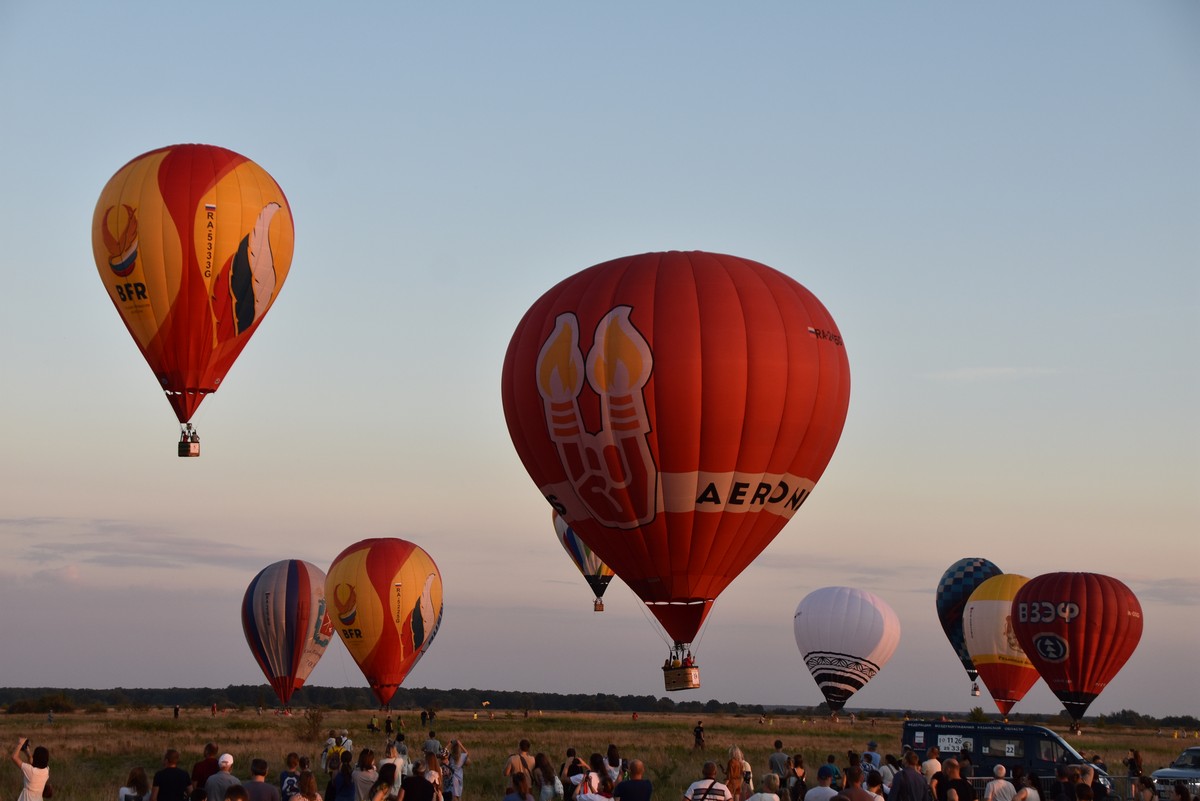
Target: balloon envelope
953	590
676	409
1079	630
386	596
988	630
193	243
594	571
846	636
286	623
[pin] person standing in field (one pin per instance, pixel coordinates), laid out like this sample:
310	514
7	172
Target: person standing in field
289	778
908	784
306	789
363	775
824	789
172	782
637	787
257	789
458	759
708	788
698	734
546	784
35	773
931	765
136	788
568	770
769	790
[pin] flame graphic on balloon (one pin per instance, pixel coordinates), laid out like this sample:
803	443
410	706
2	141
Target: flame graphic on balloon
347	609
612	470
122	248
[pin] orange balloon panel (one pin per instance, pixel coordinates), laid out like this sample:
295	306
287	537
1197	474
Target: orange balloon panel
193	243
386	600
676	409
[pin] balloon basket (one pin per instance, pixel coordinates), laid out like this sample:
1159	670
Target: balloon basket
189	441
598	605
189	449
681	678
975	690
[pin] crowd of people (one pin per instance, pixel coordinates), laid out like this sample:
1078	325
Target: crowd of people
437	772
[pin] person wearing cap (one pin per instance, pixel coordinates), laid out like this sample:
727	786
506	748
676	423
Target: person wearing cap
824	789
873	755
222	780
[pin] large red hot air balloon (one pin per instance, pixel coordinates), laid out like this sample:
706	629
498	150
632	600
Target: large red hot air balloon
193	244
1078	629
676	409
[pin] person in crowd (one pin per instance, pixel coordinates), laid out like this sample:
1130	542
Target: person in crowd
824	790
386	785
172	782
854	785
341	786
872	755
546	784
966	768
392	756
520	787
202	770
1087	775
289	777
433	773
432	744
236	792
874	785
777	761
306	787
1179	792
258	789
797	778
222	780
344	740
889	769
614	766
707	788
1145	789
909	784
137	786
931	765
520	762
1029	788
999	788
363	775
636	787
571	767
458	759
768	790
35	774
416	787
952	786
738	777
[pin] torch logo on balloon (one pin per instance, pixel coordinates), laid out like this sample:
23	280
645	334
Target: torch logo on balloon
345	598
612	470
122	248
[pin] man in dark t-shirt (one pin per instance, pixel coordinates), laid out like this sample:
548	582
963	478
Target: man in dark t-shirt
417	788
948	779
637	787
172	782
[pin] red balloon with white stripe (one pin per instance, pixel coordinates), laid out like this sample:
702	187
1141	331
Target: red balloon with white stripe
286	623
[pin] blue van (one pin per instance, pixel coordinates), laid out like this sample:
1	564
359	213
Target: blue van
1035	748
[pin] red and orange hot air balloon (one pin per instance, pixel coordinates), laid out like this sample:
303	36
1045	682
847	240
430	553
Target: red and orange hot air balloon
676	409
386	597
1079	630
193	243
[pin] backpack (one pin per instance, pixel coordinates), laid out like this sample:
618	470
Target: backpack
333	758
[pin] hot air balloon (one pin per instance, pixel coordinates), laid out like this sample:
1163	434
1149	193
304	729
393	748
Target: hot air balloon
193	244
595	572
286	623
1079	630
676	409
387	602
953	590
846	635
992	644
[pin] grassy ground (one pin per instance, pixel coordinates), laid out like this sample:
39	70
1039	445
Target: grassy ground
91	754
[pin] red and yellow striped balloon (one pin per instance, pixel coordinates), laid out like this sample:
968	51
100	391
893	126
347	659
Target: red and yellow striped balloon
193	243
385	597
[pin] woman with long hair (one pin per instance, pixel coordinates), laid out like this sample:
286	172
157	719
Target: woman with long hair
432	772
36	771
458	759
386	785
614	766
137	786
306	787
364	774
546	784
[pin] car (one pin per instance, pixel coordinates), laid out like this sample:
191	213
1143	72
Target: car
1185	768
1035	748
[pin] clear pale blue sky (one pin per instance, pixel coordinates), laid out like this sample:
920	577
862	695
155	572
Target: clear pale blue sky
999	204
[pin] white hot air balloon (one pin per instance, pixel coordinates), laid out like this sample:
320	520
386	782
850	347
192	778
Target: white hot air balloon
846	636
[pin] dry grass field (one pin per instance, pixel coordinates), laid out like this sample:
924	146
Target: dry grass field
91	754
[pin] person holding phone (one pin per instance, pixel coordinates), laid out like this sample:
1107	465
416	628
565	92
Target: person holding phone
36	772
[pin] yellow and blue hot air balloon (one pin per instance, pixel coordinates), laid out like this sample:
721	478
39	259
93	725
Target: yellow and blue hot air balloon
595	572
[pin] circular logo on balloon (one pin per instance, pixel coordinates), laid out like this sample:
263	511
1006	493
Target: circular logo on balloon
1051	647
